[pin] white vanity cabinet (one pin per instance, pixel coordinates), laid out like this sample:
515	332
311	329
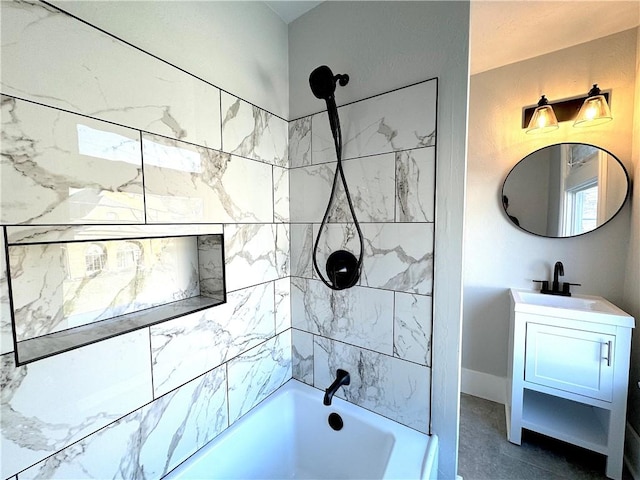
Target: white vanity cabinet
568	372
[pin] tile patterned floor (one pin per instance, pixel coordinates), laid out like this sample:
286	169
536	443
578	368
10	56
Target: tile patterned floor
485	453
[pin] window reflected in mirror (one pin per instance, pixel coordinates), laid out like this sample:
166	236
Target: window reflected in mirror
565	190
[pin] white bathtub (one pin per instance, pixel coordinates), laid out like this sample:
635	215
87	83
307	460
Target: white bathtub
288	436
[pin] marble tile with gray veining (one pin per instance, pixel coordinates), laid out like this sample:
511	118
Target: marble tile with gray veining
211	266
149	442
283	304
300	142
398	256
185	183
256	374
72	233
361	316
399	120
114	379
60	168
283	250
59	286
251	132
371	183
103	77
255	253
412	328
188	346
309	190
395	388
301	250
415	185
6	329
280	194
302	356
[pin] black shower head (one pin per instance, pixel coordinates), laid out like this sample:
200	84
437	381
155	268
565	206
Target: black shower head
323	82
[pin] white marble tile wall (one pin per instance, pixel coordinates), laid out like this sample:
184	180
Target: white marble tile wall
150	441
302	242
283	304
84	70
100	121
371	187
59	167
380	329
280	194
300	142
302	356
255	253
392	387
210	266
187	183
404	119
250	132
257	373
52	403
415	187
191	345
360	316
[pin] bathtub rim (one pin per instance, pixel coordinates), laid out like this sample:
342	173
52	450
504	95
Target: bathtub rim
428	462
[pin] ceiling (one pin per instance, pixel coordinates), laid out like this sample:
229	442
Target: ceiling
535	28
532	27
289	11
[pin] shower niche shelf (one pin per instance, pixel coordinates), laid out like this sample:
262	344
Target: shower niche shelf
71	286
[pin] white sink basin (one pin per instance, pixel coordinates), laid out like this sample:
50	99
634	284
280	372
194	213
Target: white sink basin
577	307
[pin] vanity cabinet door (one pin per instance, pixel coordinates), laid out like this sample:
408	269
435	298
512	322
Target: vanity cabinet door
576	361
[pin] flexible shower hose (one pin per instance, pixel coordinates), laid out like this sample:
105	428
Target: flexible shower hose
334	122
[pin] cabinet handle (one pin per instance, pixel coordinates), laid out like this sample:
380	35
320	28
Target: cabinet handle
608	357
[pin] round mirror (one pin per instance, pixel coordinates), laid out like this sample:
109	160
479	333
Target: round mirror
565	190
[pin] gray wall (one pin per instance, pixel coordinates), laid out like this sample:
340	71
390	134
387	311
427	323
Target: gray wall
631	300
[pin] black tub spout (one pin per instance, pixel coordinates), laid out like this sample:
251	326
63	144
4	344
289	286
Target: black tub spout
342	378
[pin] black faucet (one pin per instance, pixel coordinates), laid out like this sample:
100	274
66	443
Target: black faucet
558	270
342	378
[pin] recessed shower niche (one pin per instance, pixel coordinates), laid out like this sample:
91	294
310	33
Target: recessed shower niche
75	285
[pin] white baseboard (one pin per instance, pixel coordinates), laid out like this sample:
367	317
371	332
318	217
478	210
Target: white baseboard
632	451
484	385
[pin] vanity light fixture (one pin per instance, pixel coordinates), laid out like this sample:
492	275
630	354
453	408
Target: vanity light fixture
595	109
543	119
586	110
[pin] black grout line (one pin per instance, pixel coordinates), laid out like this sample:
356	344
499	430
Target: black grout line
344	342
144	189
370	97
14	333
112	239
143	132
153	56
153	388
362	157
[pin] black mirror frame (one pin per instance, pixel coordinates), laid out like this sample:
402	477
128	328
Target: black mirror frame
624	201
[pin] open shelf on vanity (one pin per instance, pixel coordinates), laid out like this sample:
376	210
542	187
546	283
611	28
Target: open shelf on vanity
71	286
573	422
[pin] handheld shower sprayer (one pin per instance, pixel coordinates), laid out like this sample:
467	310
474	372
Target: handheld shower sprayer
343	269
323	85
323	82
